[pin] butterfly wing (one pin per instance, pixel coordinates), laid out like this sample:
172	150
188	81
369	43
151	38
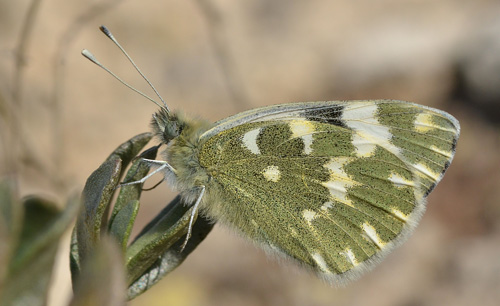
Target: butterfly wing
332	185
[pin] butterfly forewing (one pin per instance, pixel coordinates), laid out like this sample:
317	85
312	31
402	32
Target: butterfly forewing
333	185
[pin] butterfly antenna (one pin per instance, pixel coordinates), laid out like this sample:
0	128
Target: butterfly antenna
92	58
113	39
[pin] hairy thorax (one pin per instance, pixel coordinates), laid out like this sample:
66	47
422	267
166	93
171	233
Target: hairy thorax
182	154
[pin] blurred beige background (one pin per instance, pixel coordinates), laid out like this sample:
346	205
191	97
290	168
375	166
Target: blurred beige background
60	116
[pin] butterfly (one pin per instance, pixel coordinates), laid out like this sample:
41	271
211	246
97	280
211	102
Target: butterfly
334	186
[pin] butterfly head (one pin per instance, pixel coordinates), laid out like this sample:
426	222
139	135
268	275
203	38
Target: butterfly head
166	125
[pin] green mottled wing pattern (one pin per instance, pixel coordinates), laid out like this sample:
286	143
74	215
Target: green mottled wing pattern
332	185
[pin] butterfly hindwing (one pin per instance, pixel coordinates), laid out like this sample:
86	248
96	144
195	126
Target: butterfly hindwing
332	185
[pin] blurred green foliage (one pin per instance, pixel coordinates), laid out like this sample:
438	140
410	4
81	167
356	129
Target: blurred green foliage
106	269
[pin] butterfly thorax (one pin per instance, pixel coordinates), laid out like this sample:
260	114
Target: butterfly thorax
181	135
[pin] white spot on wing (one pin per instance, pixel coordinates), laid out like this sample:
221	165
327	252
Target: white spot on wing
423	123
369	132
399	214
308	140
304	130
400	181
372	235
326	206
364	147
309	215
425	170
339	180
439	151
320	261
250	141
272	173
300	128
338	190
349	255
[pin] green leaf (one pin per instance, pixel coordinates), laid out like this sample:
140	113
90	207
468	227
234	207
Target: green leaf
171	258
11	215
96	197
128	150
101	281
123	223
168	227
31	266
155	252
132	192
74	259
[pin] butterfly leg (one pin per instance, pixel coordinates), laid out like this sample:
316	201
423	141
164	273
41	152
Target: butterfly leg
194	214
162	166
